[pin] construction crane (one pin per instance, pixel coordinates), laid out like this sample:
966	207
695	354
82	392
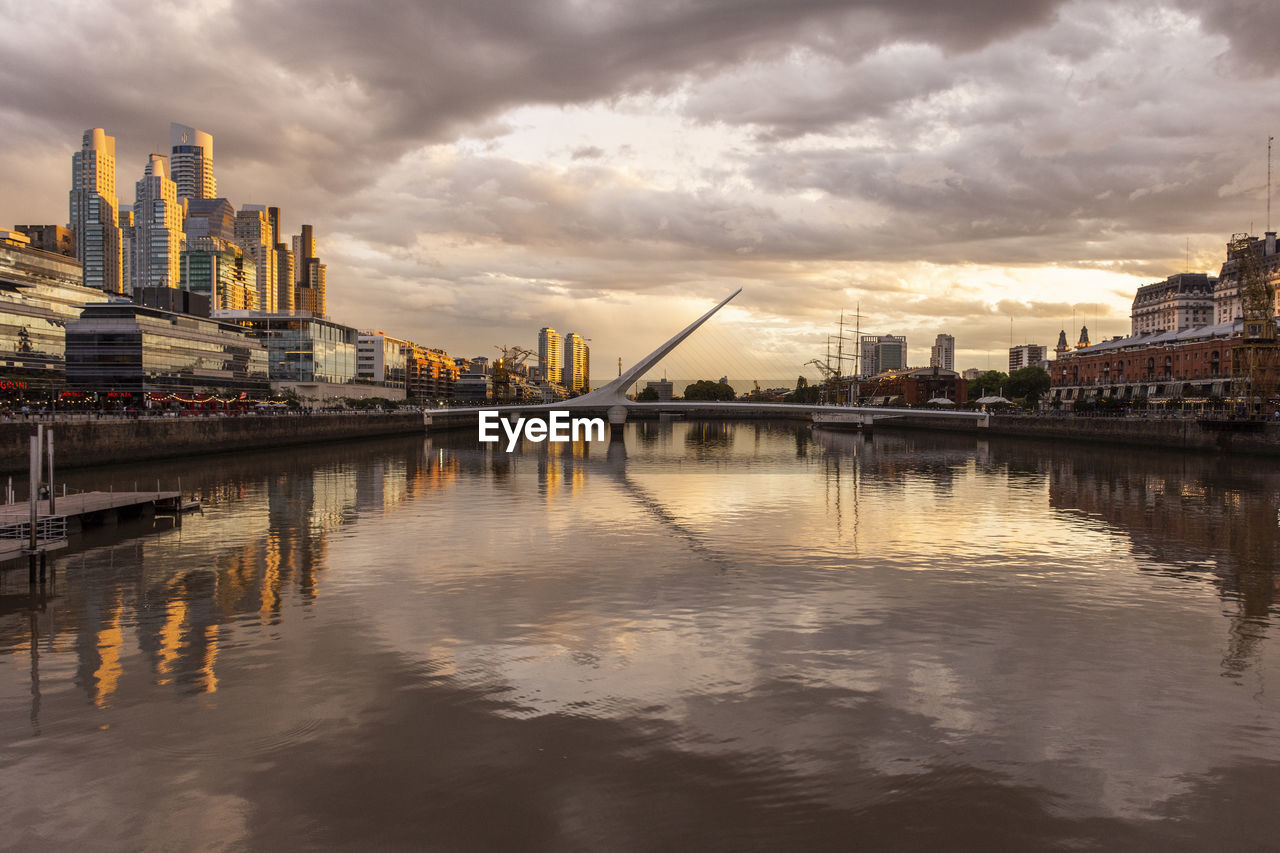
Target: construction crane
509	364
830	380
1254	358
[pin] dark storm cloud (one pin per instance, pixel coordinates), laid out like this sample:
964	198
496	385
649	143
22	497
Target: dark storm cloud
346	85
1087	134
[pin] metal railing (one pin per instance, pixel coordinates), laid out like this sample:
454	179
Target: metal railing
49	528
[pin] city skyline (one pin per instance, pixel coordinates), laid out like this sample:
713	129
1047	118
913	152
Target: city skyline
1030	160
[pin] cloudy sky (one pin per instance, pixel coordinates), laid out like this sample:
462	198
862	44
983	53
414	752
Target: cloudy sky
476	170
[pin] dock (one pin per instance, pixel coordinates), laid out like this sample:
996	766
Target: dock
71	513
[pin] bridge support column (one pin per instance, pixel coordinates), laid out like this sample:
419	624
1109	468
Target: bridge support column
617	422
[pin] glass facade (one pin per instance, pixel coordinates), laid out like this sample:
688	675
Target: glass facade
126	348
301	348
39	293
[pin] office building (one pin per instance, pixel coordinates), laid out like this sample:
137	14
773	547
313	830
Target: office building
157	228
93	211
1193	364
285	287
1227	302
50	238
303	350
123	348
943	353
209	217
882	352
222	272
125	217
192	163
285	272
575	374
253	233
39	293
309	274
662	387
382	360
1179	302
1027	355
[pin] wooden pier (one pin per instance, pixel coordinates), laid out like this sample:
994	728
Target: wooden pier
74	512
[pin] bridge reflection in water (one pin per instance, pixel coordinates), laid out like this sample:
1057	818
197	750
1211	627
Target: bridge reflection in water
793	637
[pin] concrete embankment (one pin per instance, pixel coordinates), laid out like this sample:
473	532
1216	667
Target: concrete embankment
1173	433
93	442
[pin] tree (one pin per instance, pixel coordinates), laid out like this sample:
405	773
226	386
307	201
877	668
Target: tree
648	395
989	383
1029	382
705	389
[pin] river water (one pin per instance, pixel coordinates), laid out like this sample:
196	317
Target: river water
716	637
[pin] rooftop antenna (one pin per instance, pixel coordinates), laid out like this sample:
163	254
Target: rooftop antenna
1270	139
1187	266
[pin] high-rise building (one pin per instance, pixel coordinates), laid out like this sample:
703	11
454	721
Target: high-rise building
209	217
943	353
222	271
125	217
881	353
284	279
1027	355
157	228
574	374
550	354
253	233
309	274
93	210
310	297
192	152
284	283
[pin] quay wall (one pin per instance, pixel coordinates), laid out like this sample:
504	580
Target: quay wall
1173	433
79	443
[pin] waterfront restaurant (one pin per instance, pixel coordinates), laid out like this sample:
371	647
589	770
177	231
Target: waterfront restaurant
128	352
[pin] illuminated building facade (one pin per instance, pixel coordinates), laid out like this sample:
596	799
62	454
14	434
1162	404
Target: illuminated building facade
94	217
192	152
550	354
431	374
39	293
253	233
301	348
123	348
576	372
381	359
157	228
1181	301
221	271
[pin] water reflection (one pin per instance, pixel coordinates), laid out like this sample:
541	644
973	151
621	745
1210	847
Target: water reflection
795	638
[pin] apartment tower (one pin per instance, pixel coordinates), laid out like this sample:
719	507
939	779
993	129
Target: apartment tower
192	163
158	239
94	215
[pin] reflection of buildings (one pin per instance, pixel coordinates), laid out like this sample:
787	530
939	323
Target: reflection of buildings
1201	514
159	612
